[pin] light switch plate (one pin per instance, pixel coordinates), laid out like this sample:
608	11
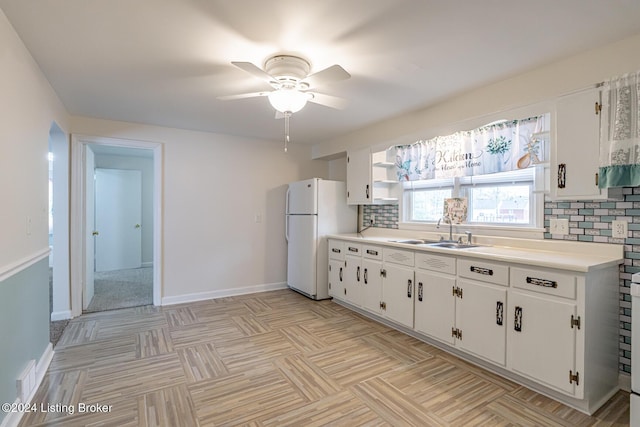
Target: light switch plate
619	229
559	227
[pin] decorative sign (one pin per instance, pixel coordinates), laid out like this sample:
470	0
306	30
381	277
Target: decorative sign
455	210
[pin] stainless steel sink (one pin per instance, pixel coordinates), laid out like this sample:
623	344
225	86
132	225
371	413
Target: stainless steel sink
411	241
453	245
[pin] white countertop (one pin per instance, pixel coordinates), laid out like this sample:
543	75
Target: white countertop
560	254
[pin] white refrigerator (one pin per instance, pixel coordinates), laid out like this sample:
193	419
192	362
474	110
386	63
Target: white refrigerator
314	209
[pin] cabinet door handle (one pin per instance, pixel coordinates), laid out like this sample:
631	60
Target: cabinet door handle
562	175
367	191
499	313
366	280
340	274
542	282
517	322
420	291
358	274
481	270
409	288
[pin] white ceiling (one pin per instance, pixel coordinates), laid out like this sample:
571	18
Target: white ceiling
164	62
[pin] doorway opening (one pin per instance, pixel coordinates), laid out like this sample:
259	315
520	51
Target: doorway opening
115	196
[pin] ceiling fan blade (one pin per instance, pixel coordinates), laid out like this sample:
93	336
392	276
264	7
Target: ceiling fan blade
328	75
255	71
242	96
328	100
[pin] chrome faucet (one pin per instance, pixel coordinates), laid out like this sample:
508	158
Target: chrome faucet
469	234
447	220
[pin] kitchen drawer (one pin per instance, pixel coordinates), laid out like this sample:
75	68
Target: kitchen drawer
336	249
544	281
354	249
372	252
484	271
398	256
443	264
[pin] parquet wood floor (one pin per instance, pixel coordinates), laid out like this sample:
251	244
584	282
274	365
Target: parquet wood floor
277	359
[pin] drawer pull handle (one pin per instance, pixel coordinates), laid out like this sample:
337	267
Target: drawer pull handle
481	270
499	313
335	250
372	252
358	274
517	323
352	249
420	291
409	288
542	282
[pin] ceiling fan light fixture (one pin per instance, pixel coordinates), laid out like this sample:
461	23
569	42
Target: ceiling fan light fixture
288	100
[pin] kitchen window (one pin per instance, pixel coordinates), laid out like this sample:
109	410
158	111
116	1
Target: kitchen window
500	199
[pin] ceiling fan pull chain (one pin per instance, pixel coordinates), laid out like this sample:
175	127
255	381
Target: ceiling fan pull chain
286	130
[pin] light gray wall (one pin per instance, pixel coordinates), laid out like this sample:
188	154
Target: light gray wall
28	107
109	161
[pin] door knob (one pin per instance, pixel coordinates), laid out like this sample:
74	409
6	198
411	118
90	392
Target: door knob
95	233
137	225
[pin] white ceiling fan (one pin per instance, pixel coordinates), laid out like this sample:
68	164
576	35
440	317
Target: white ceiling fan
292	85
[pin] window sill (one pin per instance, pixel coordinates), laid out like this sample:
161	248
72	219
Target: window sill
481	230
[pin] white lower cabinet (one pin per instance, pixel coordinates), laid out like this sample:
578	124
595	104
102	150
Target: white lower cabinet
336	268
336	275
481	320
435	305
397	293
551	329
372	285
542	341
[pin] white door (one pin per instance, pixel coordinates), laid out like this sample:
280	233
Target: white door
542	341
353	280
302	197
372	285
336	275
481	316
435	305
359	177
118	219
90	247
301	259
397	294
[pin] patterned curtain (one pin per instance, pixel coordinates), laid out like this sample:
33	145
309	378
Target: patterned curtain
620	133
500	147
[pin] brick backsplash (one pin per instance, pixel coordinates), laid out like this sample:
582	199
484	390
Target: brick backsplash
386	215
589	221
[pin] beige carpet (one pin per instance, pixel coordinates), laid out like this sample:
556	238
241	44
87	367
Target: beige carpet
122	289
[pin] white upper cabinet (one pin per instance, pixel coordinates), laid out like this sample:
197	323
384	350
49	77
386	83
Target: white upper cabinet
576	154
371	178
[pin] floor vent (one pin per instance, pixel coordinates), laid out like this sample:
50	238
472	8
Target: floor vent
27	381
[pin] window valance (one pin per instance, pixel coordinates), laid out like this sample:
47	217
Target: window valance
498	147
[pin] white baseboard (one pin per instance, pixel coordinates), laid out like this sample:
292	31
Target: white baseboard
200	296
624	381
13	418
60	315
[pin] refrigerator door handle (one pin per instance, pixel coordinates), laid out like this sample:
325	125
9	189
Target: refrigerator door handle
286	202
286	216
286	227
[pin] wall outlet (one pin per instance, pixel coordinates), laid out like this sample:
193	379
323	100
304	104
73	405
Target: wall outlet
619	229
559	227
